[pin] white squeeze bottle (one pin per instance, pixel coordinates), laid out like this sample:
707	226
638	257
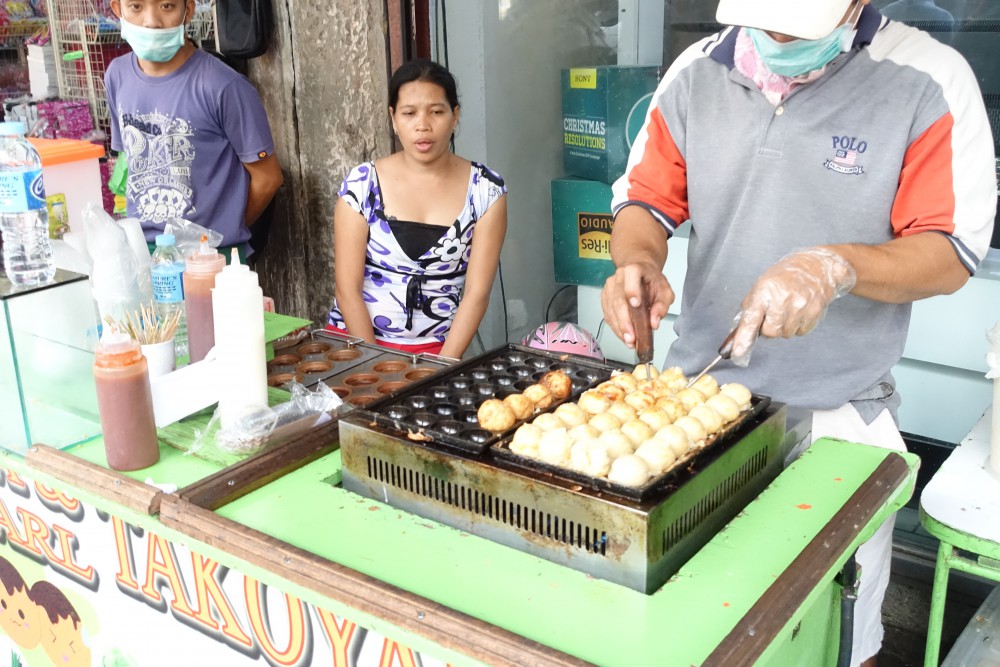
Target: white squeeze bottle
238	306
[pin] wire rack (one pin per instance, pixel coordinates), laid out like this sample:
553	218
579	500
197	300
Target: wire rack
86	37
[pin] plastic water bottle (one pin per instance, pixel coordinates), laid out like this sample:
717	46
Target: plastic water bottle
24	218
166	269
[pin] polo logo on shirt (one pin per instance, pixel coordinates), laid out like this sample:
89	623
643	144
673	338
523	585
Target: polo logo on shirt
845	155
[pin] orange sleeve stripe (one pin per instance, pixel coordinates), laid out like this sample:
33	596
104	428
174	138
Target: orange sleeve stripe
925	199
659	179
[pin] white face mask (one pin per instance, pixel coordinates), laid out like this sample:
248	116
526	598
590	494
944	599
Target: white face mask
157	45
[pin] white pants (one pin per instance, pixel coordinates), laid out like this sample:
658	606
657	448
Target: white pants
874	556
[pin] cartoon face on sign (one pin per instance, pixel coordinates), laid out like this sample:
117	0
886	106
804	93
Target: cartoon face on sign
19	616
62	639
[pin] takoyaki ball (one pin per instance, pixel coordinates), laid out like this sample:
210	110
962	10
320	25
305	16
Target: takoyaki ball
676	438
520	405
708	417
494	416
553	447
539	395
674	378
605	422
629	470
617	443
611	391
558	384
583	432
626	381
571	414
640	401
671	407
593	402
637	431
690	397
695	430
525	440
738	393
590	458
725	405
645	372
657	455
623	411
548	422
707	385
656	419
654	388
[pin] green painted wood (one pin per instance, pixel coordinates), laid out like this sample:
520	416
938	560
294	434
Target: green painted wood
592	619
192	434
173	468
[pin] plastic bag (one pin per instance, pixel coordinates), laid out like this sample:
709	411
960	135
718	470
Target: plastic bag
119	282
993	355
188	235
259	427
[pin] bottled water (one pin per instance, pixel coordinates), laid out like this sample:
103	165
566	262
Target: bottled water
166	270
24	219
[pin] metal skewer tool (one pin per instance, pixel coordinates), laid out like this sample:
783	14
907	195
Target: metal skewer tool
725	351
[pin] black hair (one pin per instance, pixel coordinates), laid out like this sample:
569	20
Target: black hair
423	70
54	602
10	577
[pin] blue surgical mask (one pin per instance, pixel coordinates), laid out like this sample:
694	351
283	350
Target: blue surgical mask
801	56
157	45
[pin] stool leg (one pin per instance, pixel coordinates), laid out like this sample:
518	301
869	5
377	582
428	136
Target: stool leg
938	595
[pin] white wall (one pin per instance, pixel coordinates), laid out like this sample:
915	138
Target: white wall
508	72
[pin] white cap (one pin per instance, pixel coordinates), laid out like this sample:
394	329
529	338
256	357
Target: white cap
804	19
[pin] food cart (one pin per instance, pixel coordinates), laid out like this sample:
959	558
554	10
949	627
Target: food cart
269	559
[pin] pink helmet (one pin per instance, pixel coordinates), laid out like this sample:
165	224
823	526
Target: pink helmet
564	337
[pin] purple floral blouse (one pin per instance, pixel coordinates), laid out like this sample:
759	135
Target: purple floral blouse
413	300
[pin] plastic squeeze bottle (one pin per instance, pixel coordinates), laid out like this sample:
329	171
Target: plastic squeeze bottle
238	302
125	403
200	271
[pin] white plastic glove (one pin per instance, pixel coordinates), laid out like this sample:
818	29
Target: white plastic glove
791	298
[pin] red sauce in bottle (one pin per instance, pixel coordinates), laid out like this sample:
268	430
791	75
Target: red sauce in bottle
125	404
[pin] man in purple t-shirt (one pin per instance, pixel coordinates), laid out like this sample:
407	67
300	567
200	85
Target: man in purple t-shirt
193	130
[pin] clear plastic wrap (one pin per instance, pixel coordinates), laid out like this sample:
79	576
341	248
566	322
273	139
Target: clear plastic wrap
259	427
791	298
120	275
188	235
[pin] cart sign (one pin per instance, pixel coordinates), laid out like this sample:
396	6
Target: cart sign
80	587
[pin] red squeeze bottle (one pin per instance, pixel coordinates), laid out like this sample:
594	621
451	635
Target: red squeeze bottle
199	279
125	403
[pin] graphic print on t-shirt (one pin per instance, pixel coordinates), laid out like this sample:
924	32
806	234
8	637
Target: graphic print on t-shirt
160	153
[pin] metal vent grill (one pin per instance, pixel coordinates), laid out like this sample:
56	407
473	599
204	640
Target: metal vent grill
541	523
721	494
992	101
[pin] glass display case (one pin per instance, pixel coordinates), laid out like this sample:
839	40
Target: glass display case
47	340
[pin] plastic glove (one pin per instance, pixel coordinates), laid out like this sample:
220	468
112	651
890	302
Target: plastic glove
791	298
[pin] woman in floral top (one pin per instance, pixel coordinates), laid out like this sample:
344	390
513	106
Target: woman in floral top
410	273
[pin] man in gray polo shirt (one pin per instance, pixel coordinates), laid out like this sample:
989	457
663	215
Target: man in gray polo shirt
835	166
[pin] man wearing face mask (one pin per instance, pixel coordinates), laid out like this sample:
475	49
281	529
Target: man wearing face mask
835	166
193	130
